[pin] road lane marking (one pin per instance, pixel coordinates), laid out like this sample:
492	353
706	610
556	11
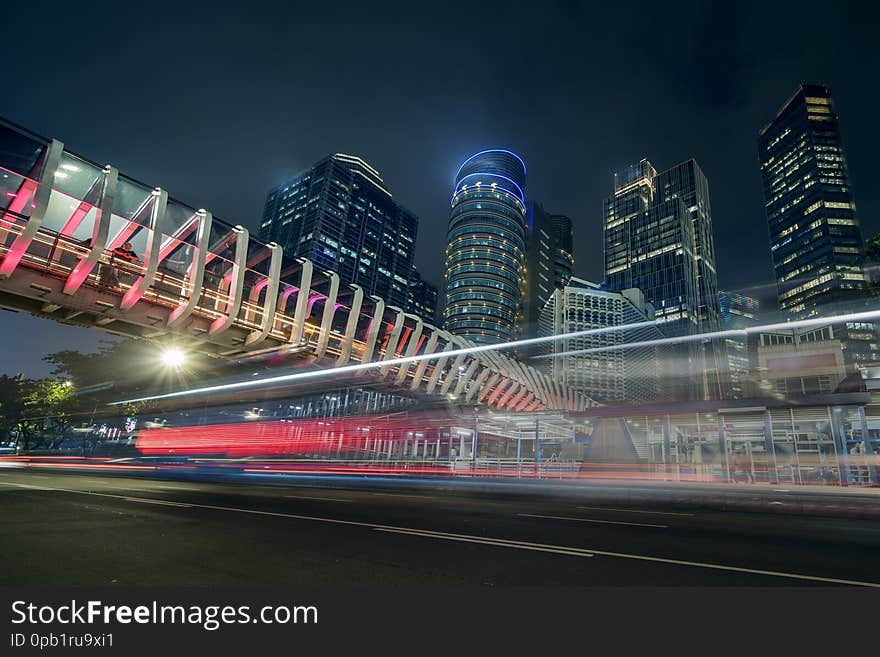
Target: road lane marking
657	513
499	542
429	533
312	497
604	522
423	497
144	500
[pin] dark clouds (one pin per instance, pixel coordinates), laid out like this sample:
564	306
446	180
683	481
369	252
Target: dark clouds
218	103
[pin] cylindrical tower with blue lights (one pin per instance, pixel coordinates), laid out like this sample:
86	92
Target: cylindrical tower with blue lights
485	248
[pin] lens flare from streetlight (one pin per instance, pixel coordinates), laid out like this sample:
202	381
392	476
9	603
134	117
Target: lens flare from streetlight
173	357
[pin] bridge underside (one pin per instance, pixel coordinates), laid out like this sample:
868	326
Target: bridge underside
210	286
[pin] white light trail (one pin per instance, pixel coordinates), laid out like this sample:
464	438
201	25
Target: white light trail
714	335
361	367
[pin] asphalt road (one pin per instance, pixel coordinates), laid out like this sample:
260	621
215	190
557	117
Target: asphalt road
71	529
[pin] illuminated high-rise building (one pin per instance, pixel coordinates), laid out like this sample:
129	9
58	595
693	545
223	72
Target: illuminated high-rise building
658	239
340	215
596	363
486	246
422	298
563	253
549	262
650	245
815	238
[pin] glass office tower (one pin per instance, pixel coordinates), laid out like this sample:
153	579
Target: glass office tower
658	239
485	250
738	311
650	245
815	238
340	215
687	182
549	262
563	254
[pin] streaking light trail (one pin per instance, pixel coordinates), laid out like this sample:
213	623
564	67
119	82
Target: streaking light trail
361	367
373	365
714	335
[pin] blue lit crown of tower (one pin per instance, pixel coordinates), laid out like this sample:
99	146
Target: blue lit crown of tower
485	253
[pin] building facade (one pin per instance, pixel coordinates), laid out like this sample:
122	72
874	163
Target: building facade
687	182
422	298
815	238
738	311
595	363
658	239
486	248
549	262
563	254
340	215
797	362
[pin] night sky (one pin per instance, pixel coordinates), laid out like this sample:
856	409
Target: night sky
217	105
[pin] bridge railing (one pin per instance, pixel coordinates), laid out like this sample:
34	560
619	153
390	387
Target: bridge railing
194	275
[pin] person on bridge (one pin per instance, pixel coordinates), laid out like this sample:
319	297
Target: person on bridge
109	274
125	252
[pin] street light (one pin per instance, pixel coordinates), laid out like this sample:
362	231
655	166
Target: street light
173	357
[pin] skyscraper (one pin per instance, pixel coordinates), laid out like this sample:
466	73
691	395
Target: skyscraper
422	298
815	238
650	245
340	215
658	238
563	255
540	252
485	250
687	182
738	311
549	262
606	372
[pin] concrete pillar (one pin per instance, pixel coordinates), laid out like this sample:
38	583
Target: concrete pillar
770	448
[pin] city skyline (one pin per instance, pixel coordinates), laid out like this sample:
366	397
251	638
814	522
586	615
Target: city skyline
305	305
730	84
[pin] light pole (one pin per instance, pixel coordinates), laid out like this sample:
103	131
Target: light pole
537	448
474	442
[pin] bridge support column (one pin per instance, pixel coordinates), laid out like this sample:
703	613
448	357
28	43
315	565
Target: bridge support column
327	316
20	245
393	338
236	283
267	321
302	301
411	346
423	364
351	324
375	325
151	257
195	274
101	230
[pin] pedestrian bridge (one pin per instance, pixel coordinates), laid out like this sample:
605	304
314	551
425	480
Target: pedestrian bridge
212	286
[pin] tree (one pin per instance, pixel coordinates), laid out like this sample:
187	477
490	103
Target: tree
34	411
49	405
12	404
